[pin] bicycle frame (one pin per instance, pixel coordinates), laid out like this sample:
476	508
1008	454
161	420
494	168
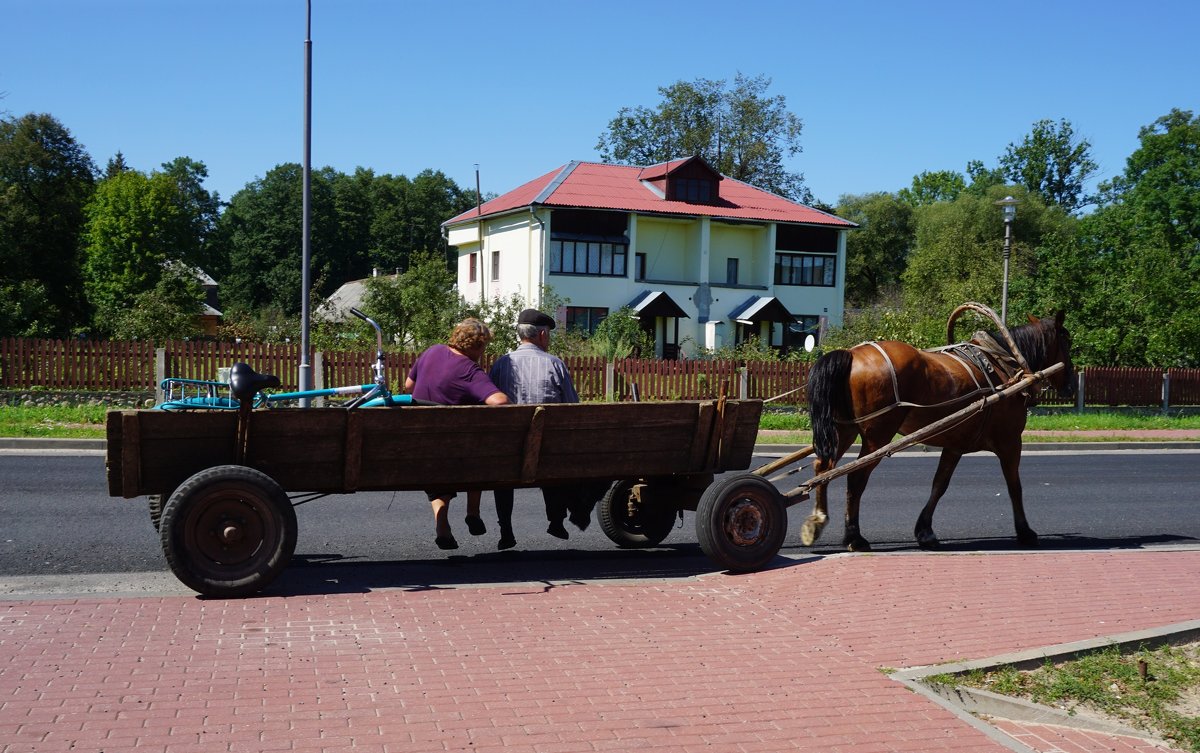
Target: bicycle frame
197	394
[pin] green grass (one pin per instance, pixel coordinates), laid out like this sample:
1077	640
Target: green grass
1166	701
60	422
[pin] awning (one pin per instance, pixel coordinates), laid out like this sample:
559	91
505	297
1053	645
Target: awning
761	309
654	303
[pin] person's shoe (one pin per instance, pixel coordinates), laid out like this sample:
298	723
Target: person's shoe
557	530
446	542
581	520
475	525
507	541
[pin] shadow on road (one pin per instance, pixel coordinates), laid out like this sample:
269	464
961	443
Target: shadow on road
332	574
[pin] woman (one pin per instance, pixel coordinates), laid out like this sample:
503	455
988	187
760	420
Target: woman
450	375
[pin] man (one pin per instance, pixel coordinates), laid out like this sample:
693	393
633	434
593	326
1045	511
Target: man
528	375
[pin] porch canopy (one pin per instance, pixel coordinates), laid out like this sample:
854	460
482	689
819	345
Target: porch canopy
761	309
653	303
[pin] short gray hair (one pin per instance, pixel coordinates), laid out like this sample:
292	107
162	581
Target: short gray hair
530	331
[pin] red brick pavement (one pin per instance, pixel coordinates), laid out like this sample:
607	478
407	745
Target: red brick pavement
788	659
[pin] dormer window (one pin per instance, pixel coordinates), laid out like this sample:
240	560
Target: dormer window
692	190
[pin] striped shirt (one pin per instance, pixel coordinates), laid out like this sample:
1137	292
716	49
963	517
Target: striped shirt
531	375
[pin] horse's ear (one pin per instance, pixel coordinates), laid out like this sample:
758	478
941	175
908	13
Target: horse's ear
1033	319
1058	317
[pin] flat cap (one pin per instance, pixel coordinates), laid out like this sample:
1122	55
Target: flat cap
535	317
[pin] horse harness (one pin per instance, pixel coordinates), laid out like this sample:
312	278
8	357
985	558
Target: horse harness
998	367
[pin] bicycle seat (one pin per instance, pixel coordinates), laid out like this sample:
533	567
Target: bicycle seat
245	382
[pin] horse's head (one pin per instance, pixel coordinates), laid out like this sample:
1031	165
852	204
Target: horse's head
1057	342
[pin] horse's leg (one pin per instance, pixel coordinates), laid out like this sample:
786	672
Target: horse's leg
1010	464
811	529
856	484
926	538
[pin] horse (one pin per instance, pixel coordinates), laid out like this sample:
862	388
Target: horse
878	389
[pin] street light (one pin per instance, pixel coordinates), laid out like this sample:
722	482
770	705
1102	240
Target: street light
1009	206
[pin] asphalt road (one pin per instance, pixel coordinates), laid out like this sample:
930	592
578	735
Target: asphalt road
57	520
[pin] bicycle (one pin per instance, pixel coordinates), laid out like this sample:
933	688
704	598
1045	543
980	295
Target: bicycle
244	383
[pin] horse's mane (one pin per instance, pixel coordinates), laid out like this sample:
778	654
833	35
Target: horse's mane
1030	340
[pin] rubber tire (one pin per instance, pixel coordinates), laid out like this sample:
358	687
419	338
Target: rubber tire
741	522
201	511
155	503
648	528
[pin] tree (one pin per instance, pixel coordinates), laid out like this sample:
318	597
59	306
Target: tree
876	253
169	311
46	177
1134	275
932	187
957	256
197	217
1049	161
132	232
418	307
740	131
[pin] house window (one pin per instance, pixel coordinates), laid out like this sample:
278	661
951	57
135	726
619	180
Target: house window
495	265
805	269
585	318
692	190
731	271
472	268
588	258
639	267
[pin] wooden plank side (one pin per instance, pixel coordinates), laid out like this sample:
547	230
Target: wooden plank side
706	414
740	452
131	473
533	445
112	453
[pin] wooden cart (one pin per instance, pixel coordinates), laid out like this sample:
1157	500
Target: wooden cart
219	482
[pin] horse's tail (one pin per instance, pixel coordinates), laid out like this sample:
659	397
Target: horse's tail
829	399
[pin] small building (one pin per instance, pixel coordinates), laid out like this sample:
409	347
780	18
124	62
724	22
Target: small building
696	255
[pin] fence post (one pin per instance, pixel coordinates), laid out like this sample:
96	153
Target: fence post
160	373
609	380
318	370
743	382
1166	393
1079	392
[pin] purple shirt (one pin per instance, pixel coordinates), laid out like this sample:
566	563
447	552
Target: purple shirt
442	376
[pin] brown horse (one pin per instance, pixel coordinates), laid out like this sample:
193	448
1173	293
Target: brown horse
877	390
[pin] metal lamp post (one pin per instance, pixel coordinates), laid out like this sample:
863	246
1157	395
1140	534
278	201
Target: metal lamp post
1009	205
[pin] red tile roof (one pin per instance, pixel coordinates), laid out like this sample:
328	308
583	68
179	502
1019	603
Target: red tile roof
592	185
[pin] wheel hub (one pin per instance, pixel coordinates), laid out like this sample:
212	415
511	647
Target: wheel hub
744	523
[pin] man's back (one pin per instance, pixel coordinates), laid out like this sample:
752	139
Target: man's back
531	375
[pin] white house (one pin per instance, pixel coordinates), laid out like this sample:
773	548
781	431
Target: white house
696	255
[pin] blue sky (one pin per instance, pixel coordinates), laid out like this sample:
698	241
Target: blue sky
885	89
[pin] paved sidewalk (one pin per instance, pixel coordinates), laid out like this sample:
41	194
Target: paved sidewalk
787	659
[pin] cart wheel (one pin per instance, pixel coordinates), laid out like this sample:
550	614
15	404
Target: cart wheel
228	531
741	522
646	527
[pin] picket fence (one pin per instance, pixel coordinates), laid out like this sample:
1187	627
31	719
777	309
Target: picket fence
87	365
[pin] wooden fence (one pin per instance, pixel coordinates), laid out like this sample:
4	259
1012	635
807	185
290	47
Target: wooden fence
87	365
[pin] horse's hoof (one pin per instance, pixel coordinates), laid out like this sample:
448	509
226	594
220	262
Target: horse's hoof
930	544
858	545
810	531
1029	540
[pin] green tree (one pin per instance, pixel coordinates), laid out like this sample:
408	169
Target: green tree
133	230
958	254
876	253
1134	275
932	187
197	217
262	227
418	307
740	130
46	178
169	311
1051	162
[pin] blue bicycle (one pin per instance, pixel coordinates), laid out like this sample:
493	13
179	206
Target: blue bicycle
244	383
